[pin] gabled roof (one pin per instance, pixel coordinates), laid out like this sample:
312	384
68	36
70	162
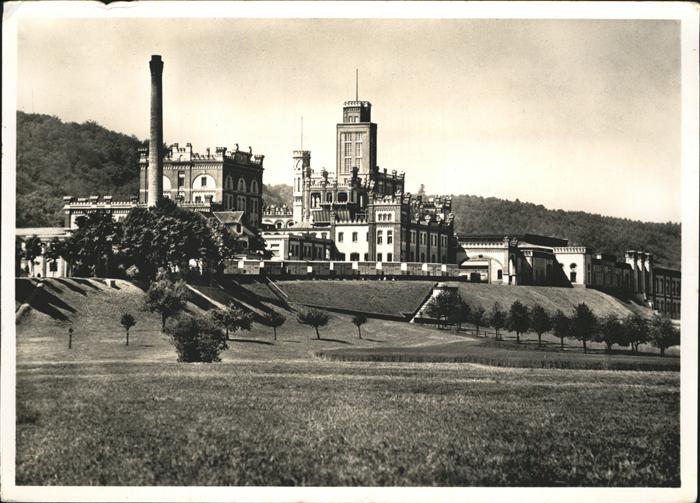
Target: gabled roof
229	217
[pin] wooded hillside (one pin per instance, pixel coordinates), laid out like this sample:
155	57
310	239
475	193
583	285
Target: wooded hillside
56	159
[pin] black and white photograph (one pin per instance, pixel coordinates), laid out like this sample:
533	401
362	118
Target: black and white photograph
350	251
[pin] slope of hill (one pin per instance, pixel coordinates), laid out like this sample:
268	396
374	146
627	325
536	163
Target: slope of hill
56	159
479	215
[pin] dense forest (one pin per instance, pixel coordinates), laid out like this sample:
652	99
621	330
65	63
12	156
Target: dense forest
56	159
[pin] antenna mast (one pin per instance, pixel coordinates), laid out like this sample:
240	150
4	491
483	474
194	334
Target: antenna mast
302	132
356	79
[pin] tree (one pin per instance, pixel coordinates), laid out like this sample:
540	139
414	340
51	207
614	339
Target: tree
497	319
518	319
584	324
166	297
231	318
127	321
358	320
32	249
663	333
638	330
540	322
90	248
196	338
611	331
442	307
478	318
561	326
275	320
463	313
313	318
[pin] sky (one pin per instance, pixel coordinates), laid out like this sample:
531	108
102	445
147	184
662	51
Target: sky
571	114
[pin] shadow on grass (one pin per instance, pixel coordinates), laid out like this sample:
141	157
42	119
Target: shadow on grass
86	282
253	341
47	303
69	284
52	286
332	340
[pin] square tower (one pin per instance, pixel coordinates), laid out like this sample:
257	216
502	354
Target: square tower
356	141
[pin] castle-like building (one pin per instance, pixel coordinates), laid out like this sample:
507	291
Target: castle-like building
363	210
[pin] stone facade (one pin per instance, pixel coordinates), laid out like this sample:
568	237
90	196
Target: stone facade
365	210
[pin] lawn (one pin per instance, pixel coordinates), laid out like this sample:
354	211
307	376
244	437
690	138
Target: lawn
272	413
340	423
400	299
504	354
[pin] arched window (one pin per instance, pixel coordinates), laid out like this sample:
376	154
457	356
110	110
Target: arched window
315	200
205	182
278	224
241	185
228	184
290	223
355	257
254	186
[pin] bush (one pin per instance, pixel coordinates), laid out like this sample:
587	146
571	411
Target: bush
196	339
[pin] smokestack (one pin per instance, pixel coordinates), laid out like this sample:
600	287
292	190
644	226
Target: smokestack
155	157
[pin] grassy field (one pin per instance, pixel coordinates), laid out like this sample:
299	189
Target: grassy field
504	354
330	423
271	413
393	298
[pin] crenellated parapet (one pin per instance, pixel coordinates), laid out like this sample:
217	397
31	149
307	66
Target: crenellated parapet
277	211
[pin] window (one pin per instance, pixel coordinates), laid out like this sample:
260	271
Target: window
342	197
340	237
354	237
254	187
358	149
389	237
423	238
197	199
389	257
413	237
315	200
348	164
413	256
367	237
366	257
203	182
432	258
422	257
380	235
53	266
499	274
379	257
180	180
572	276
355	257
433	240
329	197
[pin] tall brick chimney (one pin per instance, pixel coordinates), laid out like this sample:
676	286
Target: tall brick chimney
155	156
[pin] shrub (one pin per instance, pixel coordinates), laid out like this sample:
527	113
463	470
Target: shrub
196	339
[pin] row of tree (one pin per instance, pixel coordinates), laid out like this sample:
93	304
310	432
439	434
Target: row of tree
198	338
148	239
582	324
